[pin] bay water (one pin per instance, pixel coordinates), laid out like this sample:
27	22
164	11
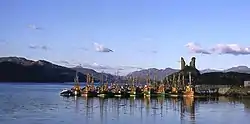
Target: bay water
35	103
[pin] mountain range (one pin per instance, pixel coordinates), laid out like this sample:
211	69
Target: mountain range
161	73
18	69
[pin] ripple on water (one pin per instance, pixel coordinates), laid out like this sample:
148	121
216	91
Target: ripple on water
38	104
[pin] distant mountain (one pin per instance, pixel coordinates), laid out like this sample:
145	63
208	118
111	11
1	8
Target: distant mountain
18	69
161	73
208	71
239	69
97	75
153	72
223	78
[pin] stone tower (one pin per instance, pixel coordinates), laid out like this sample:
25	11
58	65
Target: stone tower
192	62
182	63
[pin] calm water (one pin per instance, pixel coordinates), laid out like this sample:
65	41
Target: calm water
41	104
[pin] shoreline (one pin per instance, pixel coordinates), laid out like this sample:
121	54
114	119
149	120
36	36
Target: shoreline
234	91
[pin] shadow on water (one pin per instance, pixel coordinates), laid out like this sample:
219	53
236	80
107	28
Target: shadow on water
145	110
41	104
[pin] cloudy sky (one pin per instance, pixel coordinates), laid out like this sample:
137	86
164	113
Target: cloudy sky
127	35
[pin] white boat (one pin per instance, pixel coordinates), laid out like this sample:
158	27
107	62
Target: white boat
66	92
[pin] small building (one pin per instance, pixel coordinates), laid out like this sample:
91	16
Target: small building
246	83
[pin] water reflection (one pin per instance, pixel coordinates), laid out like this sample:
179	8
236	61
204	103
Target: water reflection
147	110
187	107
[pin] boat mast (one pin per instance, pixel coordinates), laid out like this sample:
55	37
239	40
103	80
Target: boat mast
174	83
179	80
155	81
102	79
183	81
167	82
148	80
133	83
77	79
92	82
87	80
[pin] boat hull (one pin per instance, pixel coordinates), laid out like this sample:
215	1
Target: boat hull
158	95
173	94
117	95
67	93
76	93
132	95
89	94
188	94
105	94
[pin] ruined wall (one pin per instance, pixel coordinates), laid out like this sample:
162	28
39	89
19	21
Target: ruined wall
182	63
192	62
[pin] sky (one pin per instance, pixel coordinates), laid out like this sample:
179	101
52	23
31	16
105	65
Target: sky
127	35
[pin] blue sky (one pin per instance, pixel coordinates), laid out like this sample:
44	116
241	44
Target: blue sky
141	33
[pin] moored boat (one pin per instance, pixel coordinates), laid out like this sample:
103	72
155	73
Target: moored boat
188	92
116	90
66	92
76	89
188	89
174	91
132	89
146	91
103	90
159	91
147	88
89	90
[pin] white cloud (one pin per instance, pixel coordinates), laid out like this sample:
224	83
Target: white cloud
196	48
34	27
96	66
130	67
100	67
65	63
101	48
233	49
42	47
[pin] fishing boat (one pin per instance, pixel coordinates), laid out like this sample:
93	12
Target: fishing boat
132	89
167	86
158	89
92	91
116	90
103	90
66	92
174	91
89	90
147	88
76	89
85	90
188	89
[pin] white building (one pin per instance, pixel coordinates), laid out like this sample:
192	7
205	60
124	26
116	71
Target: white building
246	83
